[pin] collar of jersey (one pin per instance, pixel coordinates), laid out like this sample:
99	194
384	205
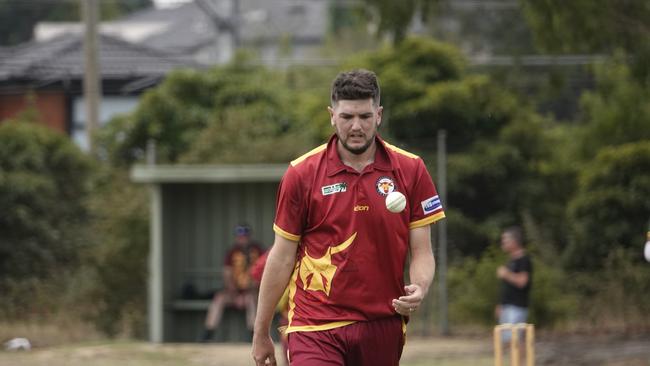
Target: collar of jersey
335	165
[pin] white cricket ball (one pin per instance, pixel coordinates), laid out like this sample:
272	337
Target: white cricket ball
395	202
646	252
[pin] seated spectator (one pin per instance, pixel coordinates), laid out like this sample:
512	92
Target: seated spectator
239	289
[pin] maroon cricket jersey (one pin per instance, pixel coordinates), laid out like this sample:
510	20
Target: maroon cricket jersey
352	250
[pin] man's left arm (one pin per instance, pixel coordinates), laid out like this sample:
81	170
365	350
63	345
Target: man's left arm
421	270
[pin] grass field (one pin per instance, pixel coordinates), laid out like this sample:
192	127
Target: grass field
417	353
455	351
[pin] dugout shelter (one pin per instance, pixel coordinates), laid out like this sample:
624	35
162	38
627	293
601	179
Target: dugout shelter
193	212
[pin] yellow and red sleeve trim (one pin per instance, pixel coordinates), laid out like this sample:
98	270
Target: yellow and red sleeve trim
427	220
285	234
310	153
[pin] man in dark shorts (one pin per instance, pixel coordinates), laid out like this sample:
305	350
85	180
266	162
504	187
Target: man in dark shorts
516	279
338	248
239	291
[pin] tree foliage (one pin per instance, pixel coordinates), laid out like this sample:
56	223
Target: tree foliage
611	207
44	181
615	295
115	269
614	123
617	111
395	17
236	113
589	26
594	27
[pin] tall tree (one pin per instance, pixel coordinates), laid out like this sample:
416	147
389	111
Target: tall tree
589	26
611	208
395	17
617	111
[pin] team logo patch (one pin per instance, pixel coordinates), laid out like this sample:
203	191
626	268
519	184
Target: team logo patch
334	188
431	204
385	185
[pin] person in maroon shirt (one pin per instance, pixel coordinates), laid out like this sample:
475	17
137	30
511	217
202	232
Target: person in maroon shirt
239	287
340	252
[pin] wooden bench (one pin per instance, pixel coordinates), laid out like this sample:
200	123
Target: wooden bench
189	316
189	319
190	305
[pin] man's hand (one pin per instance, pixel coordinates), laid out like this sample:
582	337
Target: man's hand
408	303
502	272
263	350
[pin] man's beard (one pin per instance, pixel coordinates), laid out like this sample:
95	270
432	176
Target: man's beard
358	150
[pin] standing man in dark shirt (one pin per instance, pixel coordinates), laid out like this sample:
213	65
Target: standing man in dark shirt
515	278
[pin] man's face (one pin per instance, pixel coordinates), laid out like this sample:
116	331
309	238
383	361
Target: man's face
355	123
242	239
508	243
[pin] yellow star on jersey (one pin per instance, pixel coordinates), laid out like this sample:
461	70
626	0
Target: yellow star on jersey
321	270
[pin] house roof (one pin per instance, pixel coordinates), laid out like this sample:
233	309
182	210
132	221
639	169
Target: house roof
304	20
189	26
62	58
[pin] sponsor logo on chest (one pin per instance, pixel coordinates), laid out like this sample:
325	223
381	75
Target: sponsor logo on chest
334	188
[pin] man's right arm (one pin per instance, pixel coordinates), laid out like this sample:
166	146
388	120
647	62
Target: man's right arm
518	279
278	270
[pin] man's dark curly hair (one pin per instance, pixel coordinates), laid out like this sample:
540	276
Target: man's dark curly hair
355	85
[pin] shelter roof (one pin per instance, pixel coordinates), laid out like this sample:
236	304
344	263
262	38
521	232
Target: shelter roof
208	173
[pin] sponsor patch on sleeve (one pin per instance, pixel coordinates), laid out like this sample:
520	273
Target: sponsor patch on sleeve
431	205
